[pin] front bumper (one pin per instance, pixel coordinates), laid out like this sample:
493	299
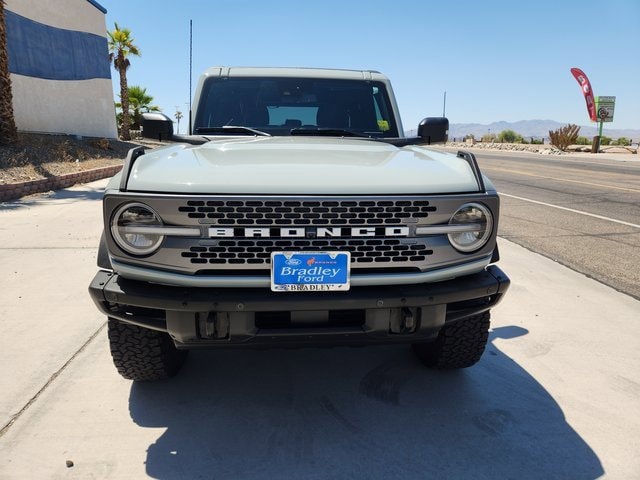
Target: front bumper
219	317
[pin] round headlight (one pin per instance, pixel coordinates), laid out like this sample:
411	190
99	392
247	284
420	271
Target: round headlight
474	223
132	228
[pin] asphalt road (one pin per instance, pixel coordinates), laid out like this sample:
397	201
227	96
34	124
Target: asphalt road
556	395
580	211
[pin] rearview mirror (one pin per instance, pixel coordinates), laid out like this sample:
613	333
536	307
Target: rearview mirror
157	126
434	130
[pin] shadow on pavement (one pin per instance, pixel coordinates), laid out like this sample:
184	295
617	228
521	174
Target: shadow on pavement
356	413
45	198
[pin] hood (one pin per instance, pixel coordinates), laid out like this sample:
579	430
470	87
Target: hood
300	166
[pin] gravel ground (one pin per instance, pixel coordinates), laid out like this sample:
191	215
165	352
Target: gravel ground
541	149
38	156
511	147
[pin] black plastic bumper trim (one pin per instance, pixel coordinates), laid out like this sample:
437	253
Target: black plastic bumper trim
175	309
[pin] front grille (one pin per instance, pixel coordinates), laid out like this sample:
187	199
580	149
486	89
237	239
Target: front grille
257	252
307	212
249	253
237	234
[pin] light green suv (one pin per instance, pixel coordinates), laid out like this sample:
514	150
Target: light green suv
296	212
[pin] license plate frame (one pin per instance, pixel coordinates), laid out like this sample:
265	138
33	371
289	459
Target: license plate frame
303	271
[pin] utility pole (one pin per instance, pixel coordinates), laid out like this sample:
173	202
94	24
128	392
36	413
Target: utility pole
444	104
190	71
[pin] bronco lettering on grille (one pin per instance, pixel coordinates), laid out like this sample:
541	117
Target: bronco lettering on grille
308	232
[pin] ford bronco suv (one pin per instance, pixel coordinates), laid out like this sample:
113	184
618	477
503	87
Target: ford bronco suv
296	213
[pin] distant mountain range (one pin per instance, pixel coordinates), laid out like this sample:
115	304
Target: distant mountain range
531	128
534	128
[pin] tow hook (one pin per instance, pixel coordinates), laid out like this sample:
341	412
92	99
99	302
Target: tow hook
214	325
404	320
408	319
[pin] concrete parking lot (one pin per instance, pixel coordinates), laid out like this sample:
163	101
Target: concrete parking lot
556	395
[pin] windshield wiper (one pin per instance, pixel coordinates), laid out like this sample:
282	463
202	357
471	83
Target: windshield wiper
231	130
327	132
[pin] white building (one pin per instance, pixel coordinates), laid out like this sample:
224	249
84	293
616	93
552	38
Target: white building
60	70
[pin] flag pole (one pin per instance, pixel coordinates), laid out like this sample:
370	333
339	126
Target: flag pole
190	70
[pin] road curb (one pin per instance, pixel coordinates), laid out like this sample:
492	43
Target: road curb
13	191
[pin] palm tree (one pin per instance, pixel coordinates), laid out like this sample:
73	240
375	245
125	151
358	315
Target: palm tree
139	102
8	131
178	116
120	48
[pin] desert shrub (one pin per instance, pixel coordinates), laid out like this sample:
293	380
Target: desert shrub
564	136
582	140
100	143
509	136
623	141
605	140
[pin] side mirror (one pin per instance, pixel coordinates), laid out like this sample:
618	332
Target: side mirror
434	130
157	126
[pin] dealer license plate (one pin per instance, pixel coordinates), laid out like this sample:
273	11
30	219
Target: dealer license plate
310	271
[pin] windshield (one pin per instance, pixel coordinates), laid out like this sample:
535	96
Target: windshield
279	105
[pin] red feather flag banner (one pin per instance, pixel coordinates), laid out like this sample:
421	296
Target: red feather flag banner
585	85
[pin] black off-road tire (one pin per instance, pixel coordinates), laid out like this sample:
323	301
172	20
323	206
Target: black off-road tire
143	355
459	345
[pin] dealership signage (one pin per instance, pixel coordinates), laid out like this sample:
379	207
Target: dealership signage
604	108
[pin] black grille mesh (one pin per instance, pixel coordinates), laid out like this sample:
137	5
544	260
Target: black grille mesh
378	251
307	212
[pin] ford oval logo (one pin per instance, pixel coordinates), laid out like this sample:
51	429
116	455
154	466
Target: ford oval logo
292	262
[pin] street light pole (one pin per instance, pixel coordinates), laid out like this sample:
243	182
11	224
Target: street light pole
444	104
190	71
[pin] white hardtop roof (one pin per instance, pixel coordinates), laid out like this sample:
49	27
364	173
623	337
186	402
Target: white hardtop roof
297	72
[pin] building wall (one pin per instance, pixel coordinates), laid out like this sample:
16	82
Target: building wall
59	64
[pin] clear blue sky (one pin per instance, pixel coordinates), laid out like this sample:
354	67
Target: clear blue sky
497	60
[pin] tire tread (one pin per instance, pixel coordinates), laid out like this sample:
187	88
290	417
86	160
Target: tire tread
459	345
141	354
